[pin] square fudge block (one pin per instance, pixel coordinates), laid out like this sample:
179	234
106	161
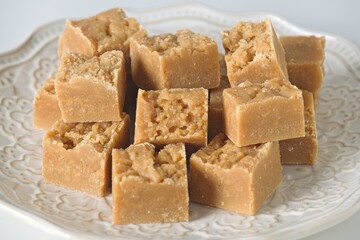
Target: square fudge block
253	53
150	187
235	178
264	112
302	150
305	57
93	36
78	155
91	89
46	106
216	104
172	116
181	60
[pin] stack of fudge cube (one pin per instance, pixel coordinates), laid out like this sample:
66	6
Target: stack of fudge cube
133	114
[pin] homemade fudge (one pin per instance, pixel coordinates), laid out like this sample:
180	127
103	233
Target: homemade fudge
263	112
305	57
109	30
78	155
91	89
215	103
253	53
235	178
183	60
302	150
172	116
150	187
46	106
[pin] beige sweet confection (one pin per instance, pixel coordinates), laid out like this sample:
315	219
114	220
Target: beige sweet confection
263	112
316	97
253	53
302	150
235	178
171	116
46	106
305	57
150	187
91	89
181	60
78	155
93	36
215	103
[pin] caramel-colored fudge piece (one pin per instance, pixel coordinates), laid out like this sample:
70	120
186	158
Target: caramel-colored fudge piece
171	116
183	60
216	104
253	53
78	155
46	106
264	112
305	57
302	150
235	178
91	89
109	30
150	187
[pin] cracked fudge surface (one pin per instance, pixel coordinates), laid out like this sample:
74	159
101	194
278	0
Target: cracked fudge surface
172	116
46	106
78	155
305	58
150	187
302	150
253	53
258	113
239	179
109	30
181	60
91	89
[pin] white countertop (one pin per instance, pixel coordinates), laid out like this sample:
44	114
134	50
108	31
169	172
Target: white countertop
18	19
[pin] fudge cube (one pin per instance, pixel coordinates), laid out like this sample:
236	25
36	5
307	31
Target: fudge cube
305	57
263	112
91	89
46	106
302	150
78	155
172	116
150	187
181	60
253	53
93	36
235	178
215	103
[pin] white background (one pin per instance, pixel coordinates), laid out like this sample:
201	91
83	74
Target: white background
18	19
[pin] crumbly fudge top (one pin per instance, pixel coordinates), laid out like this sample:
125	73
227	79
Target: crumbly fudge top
223	153
169	44
248	92
176	113
49	86
304	49
73	135
103	68
248	41
109	30
141	161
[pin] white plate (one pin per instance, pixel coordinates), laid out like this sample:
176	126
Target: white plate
309	199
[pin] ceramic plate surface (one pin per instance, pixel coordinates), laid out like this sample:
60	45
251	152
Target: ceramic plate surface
308	200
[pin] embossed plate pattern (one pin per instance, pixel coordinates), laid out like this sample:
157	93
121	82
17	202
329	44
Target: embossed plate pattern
309	199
